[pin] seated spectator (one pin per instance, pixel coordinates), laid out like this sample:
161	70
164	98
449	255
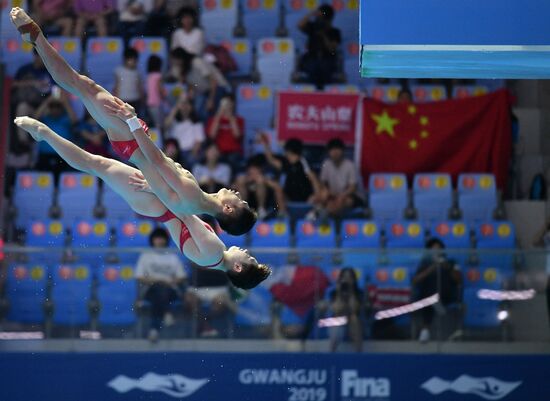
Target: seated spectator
171	149
301	183
54	13
262	193
155	91
128	84
212	175
92	12
339	180
94	137
434	268
226	129
162	274
175	64
189	36
132	15
182	125
320	62
56	113
158	21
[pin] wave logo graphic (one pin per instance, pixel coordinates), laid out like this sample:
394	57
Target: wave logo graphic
488	388
174	385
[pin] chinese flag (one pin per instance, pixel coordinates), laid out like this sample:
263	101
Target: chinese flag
471	135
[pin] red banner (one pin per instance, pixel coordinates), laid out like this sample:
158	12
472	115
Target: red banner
471	135
317	117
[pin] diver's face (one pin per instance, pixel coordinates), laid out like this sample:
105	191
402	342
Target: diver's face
239	257
230	198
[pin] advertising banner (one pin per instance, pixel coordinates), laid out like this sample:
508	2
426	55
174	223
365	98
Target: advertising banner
271	377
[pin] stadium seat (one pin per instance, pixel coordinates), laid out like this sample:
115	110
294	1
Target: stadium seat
271	234
351	62
90	234
345	89
456	236
103	55
390	287
477	196
405	235
315	235
432	197
26	291
299	88
276	60
132	234
254	309
428	93
491	84
220	18
16	53
387	93
231	240
116	208
173	92
71	292
7	30
255	104
241	51
359	234
45	233
464	91
261	18
33	196
156	137
481	313
70	49
77	106
77	196
493	239
147	47
388	196
116	293
295	10
346	18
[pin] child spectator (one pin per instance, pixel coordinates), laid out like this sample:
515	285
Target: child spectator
93	136
189	36
54	13
128	85
182	125
155	91
92	12
227	129
212	175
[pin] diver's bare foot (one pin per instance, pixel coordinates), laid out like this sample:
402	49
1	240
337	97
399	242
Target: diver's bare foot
25	25
32	126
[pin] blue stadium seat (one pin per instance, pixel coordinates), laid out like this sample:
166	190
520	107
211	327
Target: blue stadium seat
456	236
90	234
7	30
351	62
241	50
103	55
173	92
261	18
432	196
77	196
295	10
16	53
71	292
33	196
255	104
45	233
315	235
70	49
387	93
116	208
255	308
477	196
345	89
299	88
133	234
252	145
116	293
481	313
149	46
405	235
464	91
276	60
359	234
346	18
231	240
388	196
428	93
492	84
271	234
391	287
220	18
156	137
77	106
492	239
26	291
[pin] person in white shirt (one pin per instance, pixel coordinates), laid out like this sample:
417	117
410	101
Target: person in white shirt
132	15
162	273
128	84
212	175
183	126
190	37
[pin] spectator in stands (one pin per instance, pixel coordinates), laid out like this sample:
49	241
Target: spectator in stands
171	149
212	175
94	138
162	274
155	91
175	70
543	240
189	36
339	180
54	13
320	62
132	15
436	274
404	96
226	129
128	84
182	124
92	12
158	21
301	183
56	113
262	193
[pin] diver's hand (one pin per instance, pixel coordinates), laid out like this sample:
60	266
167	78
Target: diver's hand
140	184
120	109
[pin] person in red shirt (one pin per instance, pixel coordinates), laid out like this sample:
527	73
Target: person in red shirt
226	129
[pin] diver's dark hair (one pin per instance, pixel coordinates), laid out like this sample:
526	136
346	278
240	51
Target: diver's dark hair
250	276
239	222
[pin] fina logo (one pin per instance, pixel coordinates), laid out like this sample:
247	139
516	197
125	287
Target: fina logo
364	387
176	386
488	388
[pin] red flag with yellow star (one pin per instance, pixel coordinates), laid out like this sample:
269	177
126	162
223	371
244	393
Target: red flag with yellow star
453	136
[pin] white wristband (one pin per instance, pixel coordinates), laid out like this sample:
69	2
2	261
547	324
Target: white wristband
133	124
